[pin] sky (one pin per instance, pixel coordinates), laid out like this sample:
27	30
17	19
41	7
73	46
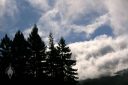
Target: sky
95	30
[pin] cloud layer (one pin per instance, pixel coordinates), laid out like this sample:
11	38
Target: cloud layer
99	57
60	17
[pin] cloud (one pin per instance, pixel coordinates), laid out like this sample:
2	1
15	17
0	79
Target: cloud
78	8
41	5
99	57
60	16
8	10
90	29
118	15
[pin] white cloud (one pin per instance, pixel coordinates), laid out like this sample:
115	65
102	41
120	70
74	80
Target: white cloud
59	17
101	56
90	29
8	8
41	5
119	15
78	8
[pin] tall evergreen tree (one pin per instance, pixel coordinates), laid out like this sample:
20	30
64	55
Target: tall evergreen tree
6	57
20	54
38	56
67	74
52	59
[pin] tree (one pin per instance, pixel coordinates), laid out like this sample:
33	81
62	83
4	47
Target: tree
20	54
38	57
66	72
6	57
52	56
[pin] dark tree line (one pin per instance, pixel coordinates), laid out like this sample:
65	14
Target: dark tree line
30	59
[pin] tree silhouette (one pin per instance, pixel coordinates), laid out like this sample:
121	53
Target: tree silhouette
20	53
32	60
38	55
67	74
52	57
6	57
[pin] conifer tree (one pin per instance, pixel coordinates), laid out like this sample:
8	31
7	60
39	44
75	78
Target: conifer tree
52	59
20	53
6	57
67	74
38	55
